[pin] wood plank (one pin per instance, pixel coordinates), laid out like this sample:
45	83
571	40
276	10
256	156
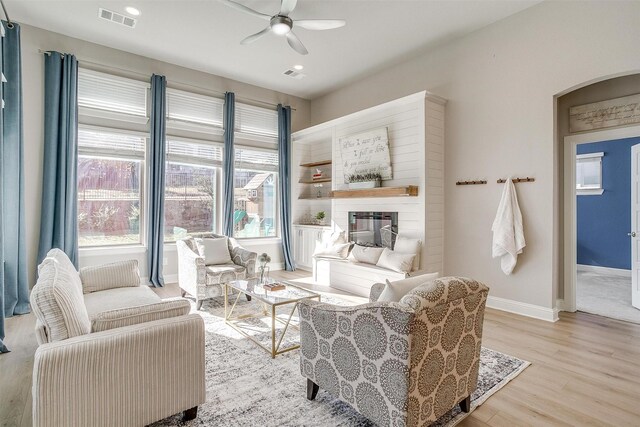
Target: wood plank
410	190
314	164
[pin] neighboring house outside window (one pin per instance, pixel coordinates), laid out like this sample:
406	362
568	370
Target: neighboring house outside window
112	140
256	173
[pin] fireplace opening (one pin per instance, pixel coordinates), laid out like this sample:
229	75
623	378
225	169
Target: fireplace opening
373	228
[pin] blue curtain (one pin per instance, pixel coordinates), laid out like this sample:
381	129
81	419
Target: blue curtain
228	163
155	240
284	182
59	212
14	287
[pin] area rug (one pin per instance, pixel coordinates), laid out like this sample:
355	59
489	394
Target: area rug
246	387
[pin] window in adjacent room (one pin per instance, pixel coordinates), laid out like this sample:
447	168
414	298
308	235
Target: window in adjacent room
112	140
256	173
589	174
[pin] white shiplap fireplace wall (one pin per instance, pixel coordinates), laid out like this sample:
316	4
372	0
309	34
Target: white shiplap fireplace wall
415	126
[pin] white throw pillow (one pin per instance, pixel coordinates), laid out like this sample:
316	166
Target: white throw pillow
391	260
366	254
214	250
406	245
394	291
330	238
337	251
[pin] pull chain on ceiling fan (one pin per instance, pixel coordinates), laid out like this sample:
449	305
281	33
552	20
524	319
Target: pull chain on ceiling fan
282	25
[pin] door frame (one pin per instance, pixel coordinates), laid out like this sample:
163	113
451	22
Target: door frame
570	209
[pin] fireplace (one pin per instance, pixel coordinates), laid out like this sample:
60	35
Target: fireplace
373	228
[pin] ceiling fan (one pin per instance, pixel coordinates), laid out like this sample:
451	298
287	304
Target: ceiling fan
281	24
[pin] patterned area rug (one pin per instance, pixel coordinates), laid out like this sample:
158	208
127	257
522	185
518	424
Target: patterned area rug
246	387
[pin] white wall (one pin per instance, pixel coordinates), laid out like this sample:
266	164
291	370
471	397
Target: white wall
129	65
500	83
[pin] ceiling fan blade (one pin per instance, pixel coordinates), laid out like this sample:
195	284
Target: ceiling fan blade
255	36
245	9
296	44
320	24
287	7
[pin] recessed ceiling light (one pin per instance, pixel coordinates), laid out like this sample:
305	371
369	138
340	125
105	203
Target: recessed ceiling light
298	67
132	10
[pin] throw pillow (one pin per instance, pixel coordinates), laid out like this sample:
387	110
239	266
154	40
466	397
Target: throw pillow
366	254
119	274
337	251
391	260
330	238
406	245
214	250
394	291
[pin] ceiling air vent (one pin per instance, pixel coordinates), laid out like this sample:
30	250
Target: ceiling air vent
116	17
294	74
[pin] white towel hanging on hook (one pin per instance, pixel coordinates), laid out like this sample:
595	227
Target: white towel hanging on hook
508	232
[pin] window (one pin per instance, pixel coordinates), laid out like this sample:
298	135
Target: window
111	159
589	174
256	121
190	201
110	176
255	193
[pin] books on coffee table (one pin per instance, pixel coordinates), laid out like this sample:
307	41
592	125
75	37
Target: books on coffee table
274	286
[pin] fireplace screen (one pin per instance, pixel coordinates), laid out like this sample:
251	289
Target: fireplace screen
373	228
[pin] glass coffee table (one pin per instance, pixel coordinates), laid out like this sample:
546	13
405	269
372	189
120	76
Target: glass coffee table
271	300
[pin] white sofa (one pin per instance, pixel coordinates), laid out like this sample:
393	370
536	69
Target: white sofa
111	352
355	277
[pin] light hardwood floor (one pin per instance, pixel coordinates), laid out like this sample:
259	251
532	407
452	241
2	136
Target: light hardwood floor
585	369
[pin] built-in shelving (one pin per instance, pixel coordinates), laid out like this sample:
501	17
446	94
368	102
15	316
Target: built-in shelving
314	164
313	198
316	181
409	191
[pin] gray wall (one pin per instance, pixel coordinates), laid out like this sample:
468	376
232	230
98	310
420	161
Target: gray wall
501	83
128	65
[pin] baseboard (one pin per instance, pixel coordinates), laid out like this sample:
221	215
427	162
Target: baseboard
605	270
168	278
523	309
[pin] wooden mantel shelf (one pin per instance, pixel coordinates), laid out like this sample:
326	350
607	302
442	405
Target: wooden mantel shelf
410	190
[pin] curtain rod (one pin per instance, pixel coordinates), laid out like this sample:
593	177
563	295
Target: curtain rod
103	66
6	15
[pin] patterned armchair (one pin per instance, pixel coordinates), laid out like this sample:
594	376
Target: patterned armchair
207	281
404	363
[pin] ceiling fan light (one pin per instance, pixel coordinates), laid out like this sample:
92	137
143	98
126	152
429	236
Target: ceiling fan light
280	28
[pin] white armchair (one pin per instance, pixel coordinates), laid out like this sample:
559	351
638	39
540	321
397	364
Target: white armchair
207	281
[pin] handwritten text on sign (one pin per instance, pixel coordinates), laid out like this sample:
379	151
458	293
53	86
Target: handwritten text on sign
366	152
604	114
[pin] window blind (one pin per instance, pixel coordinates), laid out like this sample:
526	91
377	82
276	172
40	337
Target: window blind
111	144
256	120
194	153
106	92
193	108
253	159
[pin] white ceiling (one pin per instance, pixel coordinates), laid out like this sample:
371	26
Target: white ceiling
205	35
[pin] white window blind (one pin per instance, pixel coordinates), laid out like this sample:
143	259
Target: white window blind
256	120
253	159
100	91
112	144
193	108
194	153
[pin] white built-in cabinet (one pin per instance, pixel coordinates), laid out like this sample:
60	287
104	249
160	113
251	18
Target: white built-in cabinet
415	126
304	244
